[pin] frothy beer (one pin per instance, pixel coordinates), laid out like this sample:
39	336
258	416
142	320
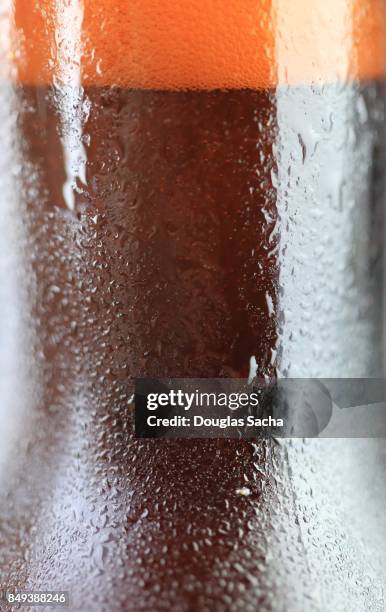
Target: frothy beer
199	192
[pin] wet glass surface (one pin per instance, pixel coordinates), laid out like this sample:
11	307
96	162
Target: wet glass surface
149	232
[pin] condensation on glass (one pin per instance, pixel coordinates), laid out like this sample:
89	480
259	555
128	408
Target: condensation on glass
188	190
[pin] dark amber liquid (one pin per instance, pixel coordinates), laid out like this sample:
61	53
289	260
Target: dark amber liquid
180	252
181	184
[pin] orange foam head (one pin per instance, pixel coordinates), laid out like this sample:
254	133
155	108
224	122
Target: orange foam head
202	44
